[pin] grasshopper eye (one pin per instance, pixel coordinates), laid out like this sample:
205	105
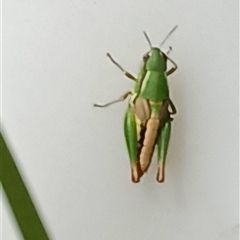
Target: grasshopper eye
146	56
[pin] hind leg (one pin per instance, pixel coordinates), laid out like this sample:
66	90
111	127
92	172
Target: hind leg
130	132
162	145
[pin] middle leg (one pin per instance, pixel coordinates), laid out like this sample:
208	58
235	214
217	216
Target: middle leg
121	98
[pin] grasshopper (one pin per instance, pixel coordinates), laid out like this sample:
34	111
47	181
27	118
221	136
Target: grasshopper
147	121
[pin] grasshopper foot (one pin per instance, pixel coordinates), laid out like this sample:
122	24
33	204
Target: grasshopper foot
136	172
160	173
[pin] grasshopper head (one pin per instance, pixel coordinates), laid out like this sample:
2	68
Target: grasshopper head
156	60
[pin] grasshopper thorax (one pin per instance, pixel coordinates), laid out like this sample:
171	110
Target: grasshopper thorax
156	60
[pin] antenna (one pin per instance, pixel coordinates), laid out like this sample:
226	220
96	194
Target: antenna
146	36
169	34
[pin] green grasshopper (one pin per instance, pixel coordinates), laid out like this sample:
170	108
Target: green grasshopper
148	119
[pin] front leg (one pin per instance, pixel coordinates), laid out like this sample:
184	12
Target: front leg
169	50
126	73
173	69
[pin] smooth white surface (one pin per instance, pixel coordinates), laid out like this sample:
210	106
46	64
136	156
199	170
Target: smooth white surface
73	155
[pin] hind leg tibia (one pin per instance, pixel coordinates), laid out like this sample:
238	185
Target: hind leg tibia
162	145
130	132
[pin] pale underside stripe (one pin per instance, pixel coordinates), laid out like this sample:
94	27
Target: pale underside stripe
145	80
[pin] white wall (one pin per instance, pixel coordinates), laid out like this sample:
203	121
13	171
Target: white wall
73	156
